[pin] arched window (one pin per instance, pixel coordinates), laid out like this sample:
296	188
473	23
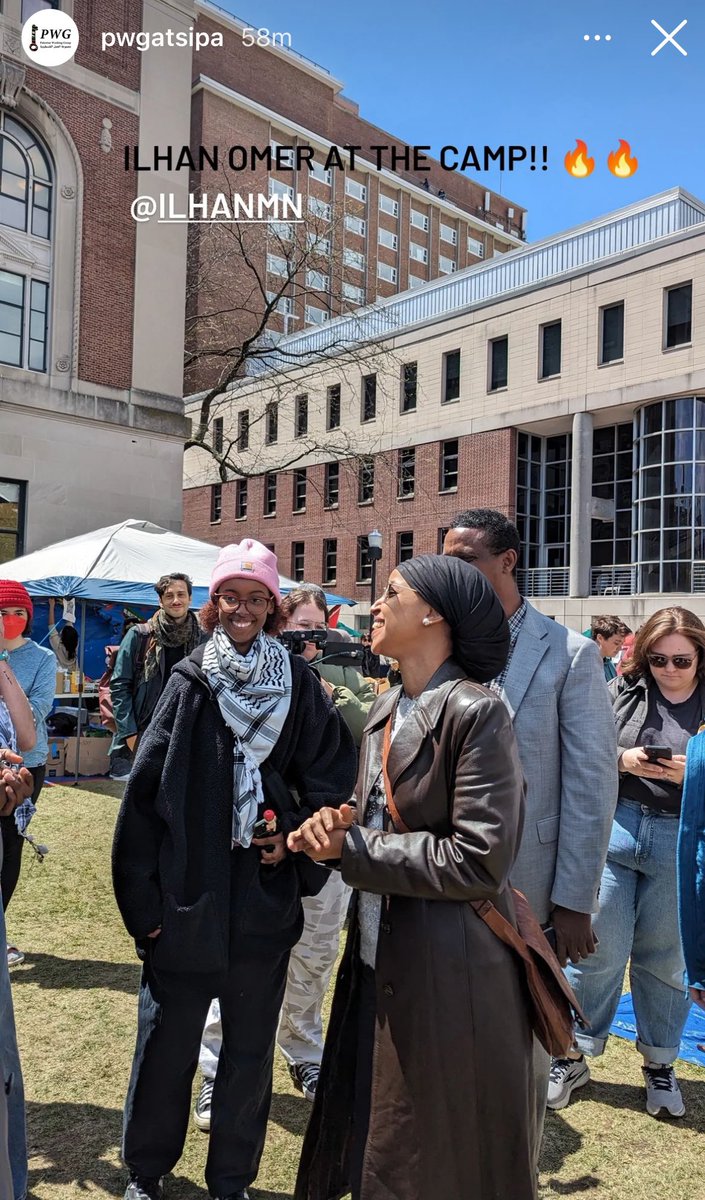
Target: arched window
26	193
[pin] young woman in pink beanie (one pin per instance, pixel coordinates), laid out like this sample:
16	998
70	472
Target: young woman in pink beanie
242	726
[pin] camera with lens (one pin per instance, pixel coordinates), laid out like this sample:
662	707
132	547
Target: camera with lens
296	639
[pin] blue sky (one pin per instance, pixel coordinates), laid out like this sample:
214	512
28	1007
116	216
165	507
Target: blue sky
459	72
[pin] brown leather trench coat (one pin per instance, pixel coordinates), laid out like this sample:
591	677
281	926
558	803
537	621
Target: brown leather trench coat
452	1112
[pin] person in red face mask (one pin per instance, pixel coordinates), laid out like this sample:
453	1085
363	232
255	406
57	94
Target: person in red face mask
34	668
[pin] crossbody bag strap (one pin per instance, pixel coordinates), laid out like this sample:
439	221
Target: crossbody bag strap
399	823
500	926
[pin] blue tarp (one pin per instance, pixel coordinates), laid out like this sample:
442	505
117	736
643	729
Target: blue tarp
624	1025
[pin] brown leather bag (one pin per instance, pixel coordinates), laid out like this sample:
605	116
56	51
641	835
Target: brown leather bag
554	1009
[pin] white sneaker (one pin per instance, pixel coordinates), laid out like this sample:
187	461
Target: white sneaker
14	956
566	1075
662	1091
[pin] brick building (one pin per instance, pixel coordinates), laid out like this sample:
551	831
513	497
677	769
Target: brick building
91	310
563	384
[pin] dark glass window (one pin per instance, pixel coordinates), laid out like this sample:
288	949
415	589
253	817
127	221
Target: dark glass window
218	435
300	490
679	311
11	318
301	417
364	562
297	561
409	386
241	499
272	424
12	514
406	472
38	324
270	494
449	465
441	538
451	376
243	429
551	350
366	481
330	560
332	485
612	333
333	407
369	397
499	360
405	545
216	502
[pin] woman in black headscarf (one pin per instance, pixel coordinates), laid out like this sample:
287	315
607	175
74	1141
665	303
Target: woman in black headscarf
426	1087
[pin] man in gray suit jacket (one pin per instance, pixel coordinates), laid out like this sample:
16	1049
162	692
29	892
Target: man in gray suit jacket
554	688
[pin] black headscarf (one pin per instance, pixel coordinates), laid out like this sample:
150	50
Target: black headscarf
463	597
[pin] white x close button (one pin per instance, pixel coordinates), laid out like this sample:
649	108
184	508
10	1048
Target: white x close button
669	37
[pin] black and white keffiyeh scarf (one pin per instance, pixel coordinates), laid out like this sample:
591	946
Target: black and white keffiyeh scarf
254	694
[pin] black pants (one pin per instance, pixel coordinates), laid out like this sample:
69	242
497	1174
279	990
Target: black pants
366	1014
12	843
172	1013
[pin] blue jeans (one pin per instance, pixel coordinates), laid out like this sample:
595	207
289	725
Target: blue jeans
10	1071
638	917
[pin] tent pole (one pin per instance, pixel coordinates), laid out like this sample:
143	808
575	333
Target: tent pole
82	651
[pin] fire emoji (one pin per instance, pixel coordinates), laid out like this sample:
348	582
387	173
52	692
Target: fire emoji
621	162
578	163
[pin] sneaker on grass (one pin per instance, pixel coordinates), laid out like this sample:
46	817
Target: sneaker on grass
566	1075
202	1111
14	956
304	1077
662	1091
142	1188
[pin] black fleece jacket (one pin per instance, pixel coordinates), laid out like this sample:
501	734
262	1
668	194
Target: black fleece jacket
173	831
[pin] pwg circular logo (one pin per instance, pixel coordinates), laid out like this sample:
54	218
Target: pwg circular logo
50	38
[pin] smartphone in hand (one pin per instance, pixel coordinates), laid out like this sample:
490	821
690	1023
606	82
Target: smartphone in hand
654	753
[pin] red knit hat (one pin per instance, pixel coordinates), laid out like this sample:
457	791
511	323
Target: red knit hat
14	595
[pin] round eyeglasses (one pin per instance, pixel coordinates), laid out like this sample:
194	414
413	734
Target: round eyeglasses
253	604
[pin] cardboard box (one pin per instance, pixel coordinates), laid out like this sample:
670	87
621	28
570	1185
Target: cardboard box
93	759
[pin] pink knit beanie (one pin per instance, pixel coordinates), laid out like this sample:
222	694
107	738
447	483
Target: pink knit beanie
248	560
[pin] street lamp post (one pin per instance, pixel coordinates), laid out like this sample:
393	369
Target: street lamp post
374	544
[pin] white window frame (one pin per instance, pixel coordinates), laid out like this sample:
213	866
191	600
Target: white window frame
352	223
353	293
275	263
419	220
285	304
383	268
418	253
319	319
446	265
476	247
284	230
357	190
277	188
317	281
354	259
319	245
282	158
416	281
388	205
448	234
321	173
319	208
385	237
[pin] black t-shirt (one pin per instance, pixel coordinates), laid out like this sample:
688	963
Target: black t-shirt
666	724
172	656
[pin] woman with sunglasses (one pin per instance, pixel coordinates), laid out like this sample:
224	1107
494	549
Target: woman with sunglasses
214	908
426	1087
659	703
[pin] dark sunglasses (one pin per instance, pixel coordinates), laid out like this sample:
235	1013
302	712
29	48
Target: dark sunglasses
680	661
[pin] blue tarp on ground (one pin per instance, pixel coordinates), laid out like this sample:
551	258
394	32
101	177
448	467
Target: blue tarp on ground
624	1025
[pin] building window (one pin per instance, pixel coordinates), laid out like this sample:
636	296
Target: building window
282	156
243	429
331	490
679	311
282	304
405	546
451	376
449	465
416	281
23	321
330	560
612	333
317	281
499	355
315	316
333	407
321	173
277	188
25	181
352	258
364	562
543	499
388	205
271	432
446	266
270	494
385	238
366	481
283	230
355	294
218	435
318	244
241	499
297	561
612	472
276	265
355	189
475	247
441	538
419	253
406	472
369	397
216	502
319	208
384	271
550	349
418	219
12	517
299	504
301	416
448	234
409	386
355	224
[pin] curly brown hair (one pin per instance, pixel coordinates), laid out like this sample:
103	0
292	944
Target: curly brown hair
208	618
661	624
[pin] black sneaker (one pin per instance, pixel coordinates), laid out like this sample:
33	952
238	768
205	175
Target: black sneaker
142	1188
202	1111
243	1194
304	1077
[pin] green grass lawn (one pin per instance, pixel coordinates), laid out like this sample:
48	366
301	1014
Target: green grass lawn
75	1002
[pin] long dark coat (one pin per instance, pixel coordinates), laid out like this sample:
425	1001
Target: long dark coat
453	1102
